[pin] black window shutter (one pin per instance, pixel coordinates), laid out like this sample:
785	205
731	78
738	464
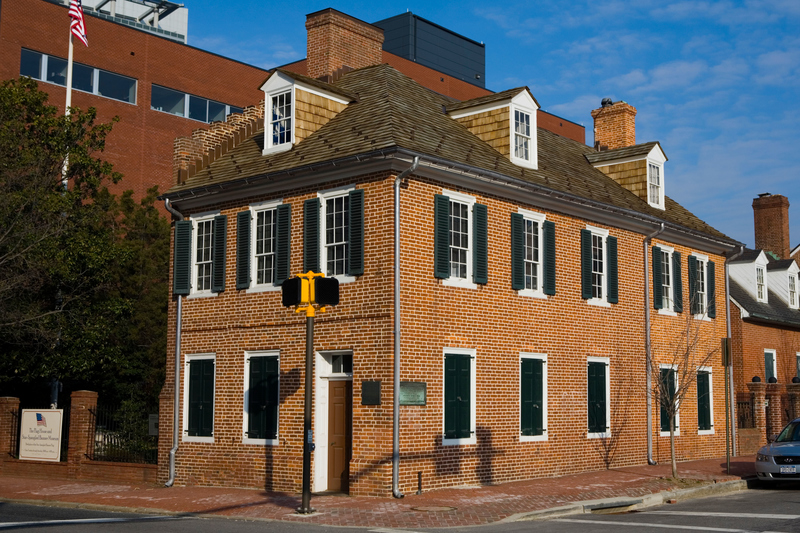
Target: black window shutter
703	404
219	245
311	235
531	401
694	305
668	390
207	411
586	264
658	287
355	238
201	398
441	237
182	272
257	399
549	254
597	397
457	396
677	283
711	289
463	380
517	252
283	241
273	397
450	395
195	398
480	251
243	250
612	283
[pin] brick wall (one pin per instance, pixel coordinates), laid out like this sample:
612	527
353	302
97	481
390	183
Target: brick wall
615	125
771	224
492	319
336	40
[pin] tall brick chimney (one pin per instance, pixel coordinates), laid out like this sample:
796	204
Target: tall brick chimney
339	42
771	224
614	125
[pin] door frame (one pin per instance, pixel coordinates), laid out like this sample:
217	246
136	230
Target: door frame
324	374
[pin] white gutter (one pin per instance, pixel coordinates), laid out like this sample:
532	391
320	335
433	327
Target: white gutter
176	396
396	385
648	346
732	400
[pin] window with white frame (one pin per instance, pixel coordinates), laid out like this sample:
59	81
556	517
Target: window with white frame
280	122
533	397
705	401
461	240
532	223
198	398
261	397
667	390
459	396
522	135
666	278
761	287
335	219
599	276
598	266
203	253
598	397
699	285
793	291
655	185
265	222
770	365
88	79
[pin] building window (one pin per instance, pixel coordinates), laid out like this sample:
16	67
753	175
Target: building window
333	233
655	185
281	118
702	286
203	254
87	79
797	364
598	266
334	249
460	240
533	397
666	397
459	396
265	241
760	285
188	105
770	365
532	260
705	402
261	395
793	291
666	280
522	135
533	254
198	398
598	393
262	246
667	284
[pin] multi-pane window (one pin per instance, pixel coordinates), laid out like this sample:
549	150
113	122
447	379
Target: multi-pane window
199	396
261	396
459	239
266	233
532	255
700	295
189	105
760	282
793	291
654	183
84	78
533	396
459	402
667	396
336	231
281	118
770	365
522	135
204	253
704	413
597	266
598	408
666	280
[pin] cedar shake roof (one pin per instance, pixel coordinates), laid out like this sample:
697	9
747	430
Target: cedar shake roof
315	83
488	99
775	310
393	111
622	153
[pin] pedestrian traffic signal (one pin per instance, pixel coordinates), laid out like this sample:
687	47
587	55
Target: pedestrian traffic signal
309	289
326	291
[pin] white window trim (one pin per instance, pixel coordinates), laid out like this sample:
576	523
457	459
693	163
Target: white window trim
765	294
674	368
601	302
540	219
796	304
323	250
465	283
774	364
246	396
472	352
532	148
278	84
669	312
704	315
660	166
197	218
254	210
323	375
710	399
543	357
188	358
606	361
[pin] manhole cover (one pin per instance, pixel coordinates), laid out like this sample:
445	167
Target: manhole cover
433	508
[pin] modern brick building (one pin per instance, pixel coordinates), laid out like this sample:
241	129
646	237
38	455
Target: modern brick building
522	282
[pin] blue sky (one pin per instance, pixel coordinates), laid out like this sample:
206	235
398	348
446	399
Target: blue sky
717	82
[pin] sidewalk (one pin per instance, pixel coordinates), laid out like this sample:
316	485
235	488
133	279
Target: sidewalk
439	508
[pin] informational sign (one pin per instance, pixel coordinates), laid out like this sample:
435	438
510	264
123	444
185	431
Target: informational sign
413	393
40	434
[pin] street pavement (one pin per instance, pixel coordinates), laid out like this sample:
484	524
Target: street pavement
617	488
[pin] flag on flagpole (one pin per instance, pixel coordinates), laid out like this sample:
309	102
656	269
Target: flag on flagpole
77	26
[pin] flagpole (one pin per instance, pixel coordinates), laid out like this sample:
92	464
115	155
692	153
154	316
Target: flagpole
67	106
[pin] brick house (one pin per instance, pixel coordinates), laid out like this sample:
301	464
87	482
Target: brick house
528	283
765	325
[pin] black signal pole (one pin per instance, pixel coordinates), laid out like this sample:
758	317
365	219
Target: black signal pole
305	507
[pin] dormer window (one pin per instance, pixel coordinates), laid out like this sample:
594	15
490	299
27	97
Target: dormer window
654	183
522	135
280	124
793	291
761	288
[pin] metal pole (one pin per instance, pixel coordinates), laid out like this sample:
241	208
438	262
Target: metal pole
727	414
305	508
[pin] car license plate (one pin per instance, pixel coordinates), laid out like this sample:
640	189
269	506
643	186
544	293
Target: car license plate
789	469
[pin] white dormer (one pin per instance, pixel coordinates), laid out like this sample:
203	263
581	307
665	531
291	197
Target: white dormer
522	118
784	281
278	113
762	287
746	274
638	168
655	177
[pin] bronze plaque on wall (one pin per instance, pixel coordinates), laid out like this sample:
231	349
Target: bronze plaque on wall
413	393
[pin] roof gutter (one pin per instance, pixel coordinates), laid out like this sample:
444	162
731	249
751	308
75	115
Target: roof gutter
396	385
176	392
648	345
729	420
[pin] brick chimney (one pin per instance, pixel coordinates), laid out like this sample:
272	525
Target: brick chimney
338	42
614	125
771	224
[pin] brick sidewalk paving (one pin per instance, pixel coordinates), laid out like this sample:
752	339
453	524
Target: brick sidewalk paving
439	508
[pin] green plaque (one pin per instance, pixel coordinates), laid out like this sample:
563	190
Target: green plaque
413	393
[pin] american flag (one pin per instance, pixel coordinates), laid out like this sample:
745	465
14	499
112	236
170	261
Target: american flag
40	421
77	26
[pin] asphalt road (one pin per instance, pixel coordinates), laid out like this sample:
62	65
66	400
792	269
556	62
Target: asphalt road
766	509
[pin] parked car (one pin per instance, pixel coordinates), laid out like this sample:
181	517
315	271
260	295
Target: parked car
780	459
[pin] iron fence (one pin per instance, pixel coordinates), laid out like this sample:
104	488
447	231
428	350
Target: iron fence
121	435
744	413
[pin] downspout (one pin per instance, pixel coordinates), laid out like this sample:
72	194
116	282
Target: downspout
647	345
176	396
396	385
732	401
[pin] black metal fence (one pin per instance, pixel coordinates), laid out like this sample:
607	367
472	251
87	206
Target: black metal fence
744	412
121	435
